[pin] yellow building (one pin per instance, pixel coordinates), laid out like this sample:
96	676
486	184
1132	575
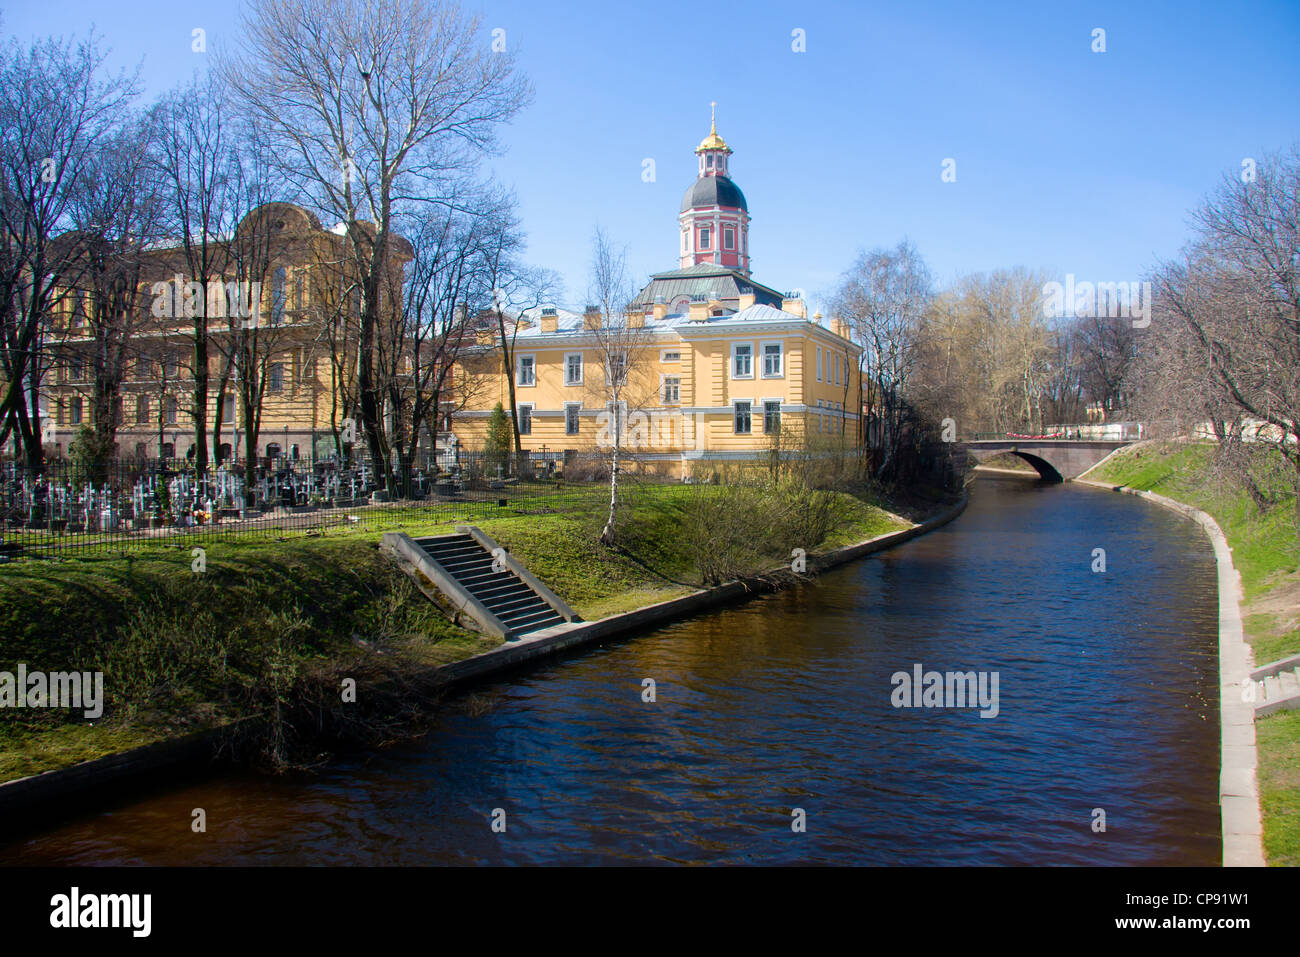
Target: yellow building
717	364
301	310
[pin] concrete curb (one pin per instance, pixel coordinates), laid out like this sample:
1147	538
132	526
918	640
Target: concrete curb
90	779
117	770
1243	829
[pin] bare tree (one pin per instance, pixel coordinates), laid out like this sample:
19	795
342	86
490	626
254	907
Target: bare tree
56	108
883	297
1236	293
447	281
515	288
622	345
117	218
373	104
202	163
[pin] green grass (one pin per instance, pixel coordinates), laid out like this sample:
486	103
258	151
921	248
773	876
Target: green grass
1278	740
1265	552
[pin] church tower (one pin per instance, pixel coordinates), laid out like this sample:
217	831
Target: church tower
714	218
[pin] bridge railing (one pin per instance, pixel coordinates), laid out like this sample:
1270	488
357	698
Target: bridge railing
1105	432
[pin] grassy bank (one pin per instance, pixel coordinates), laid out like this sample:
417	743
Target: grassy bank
274	628
1265	552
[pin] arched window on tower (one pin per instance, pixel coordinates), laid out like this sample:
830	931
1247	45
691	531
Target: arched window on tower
278	279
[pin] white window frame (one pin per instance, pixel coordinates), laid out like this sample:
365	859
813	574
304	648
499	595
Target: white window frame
734	347
663	355
519	368
819	364
705	238
728	233
735	412
780	355
581	366
576	409
519	409
663	399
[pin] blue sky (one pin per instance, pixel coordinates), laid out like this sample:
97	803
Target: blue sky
1066	159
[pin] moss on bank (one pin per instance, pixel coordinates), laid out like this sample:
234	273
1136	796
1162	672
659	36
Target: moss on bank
1265	552
272	628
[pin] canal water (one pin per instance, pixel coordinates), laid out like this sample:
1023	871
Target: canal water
778	712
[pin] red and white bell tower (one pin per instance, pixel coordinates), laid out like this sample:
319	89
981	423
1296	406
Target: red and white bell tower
714	218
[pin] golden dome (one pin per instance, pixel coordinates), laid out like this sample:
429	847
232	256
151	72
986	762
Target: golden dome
713	141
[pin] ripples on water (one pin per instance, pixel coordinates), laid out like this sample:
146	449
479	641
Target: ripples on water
1107	700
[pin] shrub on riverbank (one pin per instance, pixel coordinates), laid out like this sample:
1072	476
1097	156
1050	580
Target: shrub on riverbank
251	635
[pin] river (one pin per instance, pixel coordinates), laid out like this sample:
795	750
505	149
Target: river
777	713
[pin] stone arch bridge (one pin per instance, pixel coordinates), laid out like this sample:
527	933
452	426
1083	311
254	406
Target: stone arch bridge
1056	460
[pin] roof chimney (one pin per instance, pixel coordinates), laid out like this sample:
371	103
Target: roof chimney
591	317
550	321
795	306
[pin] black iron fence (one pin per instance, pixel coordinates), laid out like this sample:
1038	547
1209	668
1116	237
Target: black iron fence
63	509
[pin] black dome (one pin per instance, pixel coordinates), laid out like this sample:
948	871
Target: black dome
713	191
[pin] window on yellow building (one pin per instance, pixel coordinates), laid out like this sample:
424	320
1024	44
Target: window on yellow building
142	410
742	360
772	416
672	390
743	417
773	367
278	279
526	370
573	368
525	419
275	377
571	418
75	418
617	370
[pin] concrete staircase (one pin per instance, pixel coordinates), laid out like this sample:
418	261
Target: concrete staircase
1277	686
481	580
